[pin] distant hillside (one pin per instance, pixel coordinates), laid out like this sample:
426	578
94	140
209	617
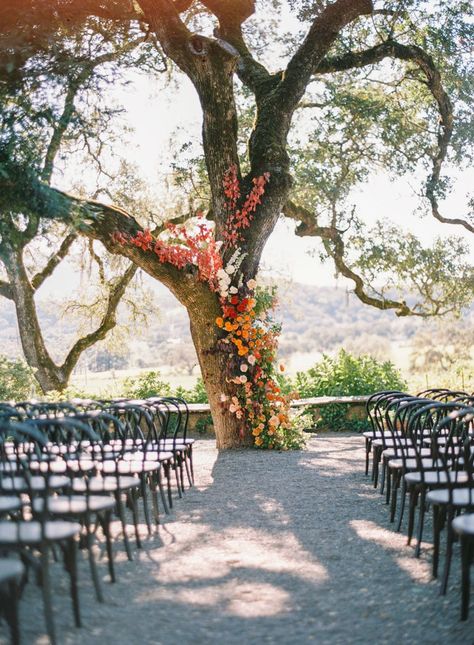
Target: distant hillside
315	320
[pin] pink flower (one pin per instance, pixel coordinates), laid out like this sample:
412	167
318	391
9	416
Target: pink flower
244	367
251	359
251	284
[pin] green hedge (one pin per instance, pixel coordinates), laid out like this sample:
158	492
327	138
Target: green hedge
346	375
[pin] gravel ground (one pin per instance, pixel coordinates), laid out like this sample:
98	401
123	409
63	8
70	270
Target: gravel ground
268	547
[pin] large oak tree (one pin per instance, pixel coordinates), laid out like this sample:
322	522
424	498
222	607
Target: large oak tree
384	83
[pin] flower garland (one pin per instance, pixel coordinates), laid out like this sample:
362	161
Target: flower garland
249	334
251	340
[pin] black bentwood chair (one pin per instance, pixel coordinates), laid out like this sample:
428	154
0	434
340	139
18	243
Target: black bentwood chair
39	535
11	573
464	527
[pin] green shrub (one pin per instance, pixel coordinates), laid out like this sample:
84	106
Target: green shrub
203	424
346	375
197	394
16	380
146	385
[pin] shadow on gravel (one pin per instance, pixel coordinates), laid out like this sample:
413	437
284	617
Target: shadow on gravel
280	548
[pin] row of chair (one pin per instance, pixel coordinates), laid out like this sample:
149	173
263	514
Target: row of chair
66	469
422	448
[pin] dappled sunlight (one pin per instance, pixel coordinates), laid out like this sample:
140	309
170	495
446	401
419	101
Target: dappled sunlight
233	597
239	571
237	548
417	569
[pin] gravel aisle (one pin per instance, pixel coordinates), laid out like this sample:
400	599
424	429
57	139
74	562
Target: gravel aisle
268	548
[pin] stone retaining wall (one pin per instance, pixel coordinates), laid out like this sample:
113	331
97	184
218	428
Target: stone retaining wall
201	423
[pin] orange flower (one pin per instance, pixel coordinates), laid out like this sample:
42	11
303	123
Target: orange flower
258	441
219	322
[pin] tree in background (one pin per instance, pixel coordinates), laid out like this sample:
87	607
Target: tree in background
51	104
384	84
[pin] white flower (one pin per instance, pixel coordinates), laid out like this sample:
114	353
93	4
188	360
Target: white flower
244	367
230	269
251	359
251	284
221	273
223	397
233	290
243	379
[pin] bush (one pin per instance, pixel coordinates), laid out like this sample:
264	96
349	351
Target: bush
346	375
197	394
146	385
16	380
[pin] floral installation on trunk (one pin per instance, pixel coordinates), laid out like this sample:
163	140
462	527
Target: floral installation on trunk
250	336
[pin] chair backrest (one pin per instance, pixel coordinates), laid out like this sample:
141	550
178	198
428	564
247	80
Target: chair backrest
453	445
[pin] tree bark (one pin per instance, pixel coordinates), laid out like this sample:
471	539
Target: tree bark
48	375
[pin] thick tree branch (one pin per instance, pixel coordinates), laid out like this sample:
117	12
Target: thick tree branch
108	322
321	36
173	35
335	247
93	219
413	53
55	259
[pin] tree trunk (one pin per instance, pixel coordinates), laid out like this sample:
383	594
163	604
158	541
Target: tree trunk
231	432
47	373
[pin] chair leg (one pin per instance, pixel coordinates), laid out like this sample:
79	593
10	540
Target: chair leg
154	497
421	520
46	591
387	477
375	466
162	493
168	484
449	550
105	522
393	501
436	539
92	563
367	452
403	496
191	464
176	469
121	514
467	553
188	471
9	603
143	489
411	514
70	561
133	502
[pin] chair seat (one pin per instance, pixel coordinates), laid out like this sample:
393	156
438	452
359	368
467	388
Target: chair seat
30	533
458	497
391	453
74	504
464	524
9	503
108	484
10	569
413	464
36	483
431	478
151	455
125	467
